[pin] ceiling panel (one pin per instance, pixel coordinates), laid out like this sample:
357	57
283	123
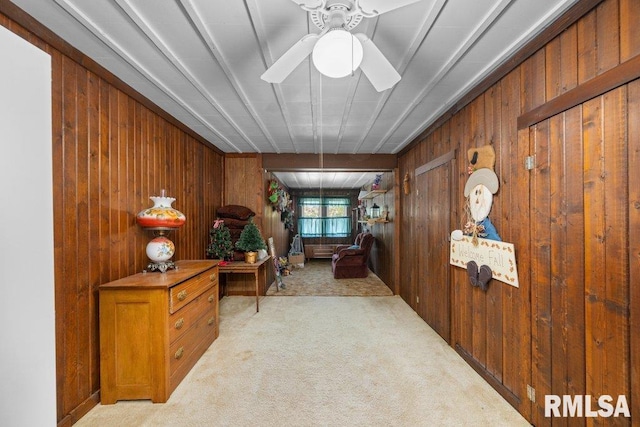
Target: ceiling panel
201	61
326	180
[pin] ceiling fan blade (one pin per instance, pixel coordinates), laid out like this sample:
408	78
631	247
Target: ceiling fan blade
309	4
280	69
375	66
376	7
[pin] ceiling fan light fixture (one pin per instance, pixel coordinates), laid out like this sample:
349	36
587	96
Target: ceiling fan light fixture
337	54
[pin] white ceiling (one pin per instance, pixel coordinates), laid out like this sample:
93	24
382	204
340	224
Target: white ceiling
201	61
318	179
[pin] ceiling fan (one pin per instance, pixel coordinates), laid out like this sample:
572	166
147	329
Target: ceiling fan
335	51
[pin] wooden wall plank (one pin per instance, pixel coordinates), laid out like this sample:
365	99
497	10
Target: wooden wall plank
553	71
587	48
439	231
464	136
533	76
532	94
607	36
139	135
508	147
574	358
407	168
634	245
93	235
541	281
57	72
558	262
477	117
629	29
616	244
493	298
519	308
83	226
495	331
131	152
422	295
594	246
103	184
69	262
569	61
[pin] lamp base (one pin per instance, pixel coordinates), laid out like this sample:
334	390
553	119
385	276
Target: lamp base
160	250
161	266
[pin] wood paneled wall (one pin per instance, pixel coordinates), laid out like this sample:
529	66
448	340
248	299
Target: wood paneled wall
111	153
273	226
246	184
572	325
382	259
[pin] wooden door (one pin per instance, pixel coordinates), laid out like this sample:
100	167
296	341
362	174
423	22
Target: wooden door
433	181
580	257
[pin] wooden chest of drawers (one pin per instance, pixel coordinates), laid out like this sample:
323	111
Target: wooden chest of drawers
153	328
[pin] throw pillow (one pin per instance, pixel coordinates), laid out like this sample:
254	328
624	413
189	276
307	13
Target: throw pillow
235	211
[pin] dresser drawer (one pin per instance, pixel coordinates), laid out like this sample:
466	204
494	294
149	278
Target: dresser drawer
189	347
182	320
182	294
179	371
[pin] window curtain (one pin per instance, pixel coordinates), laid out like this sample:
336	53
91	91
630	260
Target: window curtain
324	217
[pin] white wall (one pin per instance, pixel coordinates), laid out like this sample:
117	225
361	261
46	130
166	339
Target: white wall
27	317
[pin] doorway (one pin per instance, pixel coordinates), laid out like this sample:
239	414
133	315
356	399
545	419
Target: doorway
432	228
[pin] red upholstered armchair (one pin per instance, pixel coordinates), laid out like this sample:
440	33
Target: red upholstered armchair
351	261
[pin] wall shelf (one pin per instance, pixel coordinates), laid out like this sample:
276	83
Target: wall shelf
371	194
373	222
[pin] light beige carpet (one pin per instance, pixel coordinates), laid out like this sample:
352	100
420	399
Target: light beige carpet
322	361
316	278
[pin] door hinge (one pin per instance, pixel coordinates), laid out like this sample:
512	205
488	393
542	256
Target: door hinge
531	393
529	162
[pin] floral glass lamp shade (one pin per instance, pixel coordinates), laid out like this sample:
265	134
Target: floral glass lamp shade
161	218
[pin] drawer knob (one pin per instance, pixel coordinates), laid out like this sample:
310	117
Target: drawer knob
179	353
180	323
211	321
211	298
182	295
212	277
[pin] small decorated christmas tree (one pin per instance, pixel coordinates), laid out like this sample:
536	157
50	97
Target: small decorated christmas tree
220	245
250	239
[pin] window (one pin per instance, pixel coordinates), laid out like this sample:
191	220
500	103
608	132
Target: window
324	217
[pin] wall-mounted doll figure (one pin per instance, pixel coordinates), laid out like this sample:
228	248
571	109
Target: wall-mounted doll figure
478	191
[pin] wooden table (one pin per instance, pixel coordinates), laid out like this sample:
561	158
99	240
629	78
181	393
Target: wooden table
258	269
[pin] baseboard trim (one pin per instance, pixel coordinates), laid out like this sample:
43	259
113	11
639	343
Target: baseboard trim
488	377
80	411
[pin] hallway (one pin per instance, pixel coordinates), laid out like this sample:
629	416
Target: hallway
330	361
